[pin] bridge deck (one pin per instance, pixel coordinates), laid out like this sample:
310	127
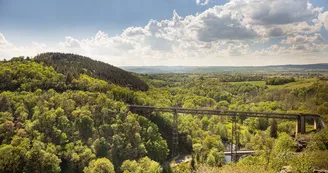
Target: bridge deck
137	108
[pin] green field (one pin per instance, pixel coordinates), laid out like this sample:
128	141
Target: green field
297	84
260	83
293	85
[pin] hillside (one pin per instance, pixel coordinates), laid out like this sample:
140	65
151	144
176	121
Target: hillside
51	123
74	65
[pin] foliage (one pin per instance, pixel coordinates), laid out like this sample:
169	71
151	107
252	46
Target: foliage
71	64
279	80
78	120
143	165
101	165
182	168
29	76
22	156
282	151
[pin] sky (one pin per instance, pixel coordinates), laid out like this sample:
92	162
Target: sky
169	32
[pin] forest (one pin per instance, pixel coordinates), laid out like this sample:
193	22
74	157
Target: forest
67	113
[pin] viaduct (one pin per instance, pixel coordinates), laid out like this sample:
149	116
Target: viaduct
300	119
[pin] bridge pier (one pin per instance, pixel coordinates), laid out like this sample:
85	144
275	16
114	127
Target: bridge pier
318	124
175	135
300	125
234	139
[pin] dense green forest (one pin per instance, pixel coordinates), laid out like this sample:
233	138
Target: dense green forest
66	113
72	66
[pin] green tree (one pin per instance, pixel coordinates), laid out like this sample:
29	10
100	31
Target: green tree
282	151
101	147
85	126
143	165
323	111
101	165
12	159
40	160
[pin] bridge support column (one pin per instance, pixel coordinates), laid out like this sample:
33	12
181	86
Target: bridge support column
317	124
300	125
175	135
234	140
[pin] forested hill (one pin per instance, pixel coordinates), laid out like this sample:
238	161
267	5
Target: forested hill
52	123
72	65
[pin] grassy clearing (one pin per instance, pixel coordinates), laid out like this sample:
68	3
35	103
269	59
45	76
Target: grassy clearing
293	85
260	83
298	84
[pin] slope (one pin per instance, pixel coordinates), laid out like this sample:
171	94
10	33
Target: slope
73	65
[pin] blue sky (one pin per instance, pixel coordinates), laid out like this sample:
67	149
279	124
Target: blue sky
50	20
169	32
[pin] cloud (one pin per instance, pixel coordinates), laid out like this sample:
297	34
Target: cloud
275	12
301	39
216	24
135	31
9	50
3	42
71	43
202	2
324	19
275	32
240	19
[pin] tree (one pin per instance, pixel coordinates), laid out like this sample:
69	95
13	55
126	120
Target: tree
101	147
69	78
319	141
12	159
282	151
102	165
264	145
40	160
144	165
302	163
323	111
85	126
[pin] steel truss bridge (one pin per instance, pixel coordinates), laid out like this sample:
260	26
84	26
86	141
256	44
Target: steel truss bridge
299	117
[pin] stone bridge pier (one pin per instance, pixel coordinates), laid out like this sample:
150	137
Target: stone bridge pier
301	123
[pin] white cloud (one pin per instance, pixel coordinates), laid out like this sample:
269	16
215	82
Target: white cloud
218	23
301	39
135	31
202	2
3	42
324	19
71	43
275	12
9	50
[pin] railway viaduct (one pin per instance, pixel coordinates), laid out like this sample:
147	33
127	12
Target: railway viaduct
299	118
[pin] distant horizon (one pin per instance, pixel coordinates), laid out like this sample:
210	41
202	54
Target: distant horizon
269	65
221	66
